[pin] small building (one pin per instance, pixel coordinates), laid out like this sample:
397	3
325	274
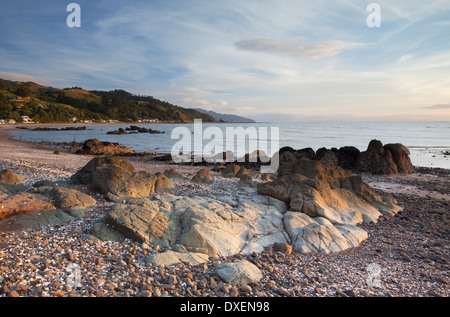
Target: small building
3	121
11	121
149	120
18	98
26	119
73	118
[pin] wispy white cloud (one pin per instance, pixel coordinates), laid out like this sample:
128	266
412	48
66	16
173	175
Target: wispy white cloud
23	77
291	47
404	58
300	58
438	106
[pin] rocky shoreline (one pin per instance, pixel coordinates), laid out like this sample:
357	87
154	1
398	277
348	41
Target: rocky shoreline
35	262
410	249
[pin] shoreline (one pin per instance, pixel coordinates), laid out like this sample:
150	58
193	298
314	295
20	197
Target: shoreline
411	248
44	153
421	156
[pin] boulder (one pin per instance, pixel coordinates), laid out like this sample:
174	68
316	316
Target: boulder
201	224
171	258
43	218
285	149
246	180
224	157
37	207
330	174
120	131
9	177
24	202
376	160
173	174
307	153
11	189
230	170
329	157
143	221
218	168
322	190
348	156
163	184
97	147
66	198
87	174
254	159
242	172
31	210
400	155
239	272
286	161
115	176
320	235
203	176
325	205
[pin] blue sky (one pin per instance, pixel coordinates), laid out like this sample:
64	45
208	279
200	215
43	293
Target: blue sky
268	60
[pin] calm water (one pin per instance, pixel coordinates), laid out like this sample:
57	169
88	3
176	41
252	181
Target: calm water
426	141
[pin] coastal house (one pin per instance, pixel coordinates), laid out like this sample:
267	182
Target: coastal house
73	118
18	98
26	119
3	121
11	121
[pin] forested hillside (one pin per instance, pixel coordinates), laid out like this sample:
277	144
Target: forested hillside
48	105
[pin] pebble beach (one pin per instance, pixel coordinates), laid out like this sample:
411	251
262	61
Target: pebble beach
404	256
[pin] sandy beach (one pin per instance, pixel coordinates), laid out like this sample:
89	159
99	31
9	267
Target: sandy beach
411	249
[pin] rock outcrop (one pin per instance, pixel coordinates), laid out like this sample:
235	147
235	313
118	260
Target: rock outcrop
387	159
171	258
163	184
323	190
230	170
315	208
43	205
203	176
66	198
223	226
173	174
239	272
348	156
400	155
9	177
377	159
312	206
134	129
24	202
96	147
115	177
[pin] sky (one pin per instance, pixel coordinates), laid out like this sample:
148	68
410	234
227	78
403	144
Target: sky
289	60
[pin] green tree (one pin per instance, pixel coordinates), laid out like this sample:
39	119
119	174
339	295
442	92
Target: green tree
24	91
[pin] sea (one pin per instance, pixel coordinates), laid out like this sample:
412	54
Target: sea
428	142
